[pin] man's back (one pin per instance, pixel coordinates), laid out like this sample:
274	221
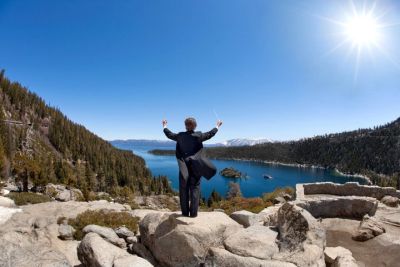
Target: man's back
189	143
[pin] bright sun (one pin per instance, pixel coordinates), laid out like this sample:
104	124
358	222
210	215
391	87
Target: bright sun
362	30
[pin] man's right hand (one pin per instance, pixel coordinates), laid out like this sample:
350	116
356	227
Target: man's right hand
219	123
164	123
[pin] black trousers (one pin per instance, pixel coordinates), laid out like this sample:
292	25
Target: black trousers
189	194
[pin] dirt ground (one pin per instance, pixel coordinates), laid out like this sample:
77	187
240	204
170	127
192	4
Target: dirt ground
371	253
381	251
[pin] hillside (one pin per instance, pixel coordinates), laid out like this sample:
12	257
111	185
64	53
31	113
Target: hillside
371	152
40	144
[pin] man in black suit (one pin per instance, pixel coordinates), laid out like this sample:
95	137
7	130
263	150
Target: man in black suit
192	163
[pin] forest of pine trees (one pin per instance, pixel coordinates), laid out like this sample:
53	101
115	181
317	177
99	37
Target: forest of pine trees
371	152
48	147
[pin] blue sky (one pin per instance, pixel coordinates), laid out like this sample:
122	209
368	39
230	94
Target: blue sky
120	67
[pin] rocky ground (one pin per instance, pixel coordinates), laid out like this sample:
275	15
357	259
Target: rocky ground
287	234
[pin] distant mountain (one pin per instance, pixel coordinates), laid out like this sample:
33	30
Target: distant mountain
127	144
243	142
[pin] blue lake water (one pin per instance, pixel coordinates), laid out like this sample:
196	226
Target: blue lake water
253	186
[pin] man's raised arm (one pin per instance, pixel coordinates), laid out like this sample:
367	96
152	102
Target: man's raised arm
208	135
167	132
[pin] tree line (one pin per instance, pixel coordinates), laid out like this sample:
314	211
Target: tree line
49	147
372	152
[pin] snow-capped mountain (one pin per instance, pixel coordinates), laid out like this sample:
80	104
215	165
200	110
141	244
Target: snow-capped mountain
243	142
168	144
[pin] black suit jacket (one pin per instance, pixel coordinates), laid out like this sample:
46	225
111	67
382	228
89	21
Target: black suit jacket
189	152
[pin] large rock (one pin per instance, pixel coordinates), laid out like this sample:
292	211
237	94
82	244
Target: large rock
141	213
4	192
140	250
269	216
7	202
390	201
175	240
62	193
25	250
301	237
246	218
255	241
95	251
223	258
106	233
124	232
339	257
66	232
351	207
368	229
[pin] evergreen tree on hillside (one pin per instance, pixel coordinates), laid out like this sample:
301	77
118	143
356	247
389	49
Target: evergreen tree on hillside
63	151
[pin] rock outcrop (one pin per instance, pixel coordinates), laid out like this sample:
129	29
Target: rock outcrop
31	237
97	252
223	258
214	239
339	257
191	237
107	233
62	193
246	218
390	201
7	202
66	232
337	206
255	241
301	237
368	229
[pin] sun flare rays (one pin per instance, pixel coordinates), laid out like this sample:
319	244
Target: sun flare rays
362	31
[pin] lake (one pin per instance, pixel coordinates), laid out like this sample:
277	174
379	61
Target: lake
253	186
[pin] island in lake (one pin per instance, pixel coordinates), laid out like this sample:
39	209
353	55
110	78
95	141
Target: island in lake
231	173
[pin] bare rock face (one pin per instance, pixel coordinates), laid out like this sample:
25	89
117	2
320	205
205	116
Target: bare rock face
223	258
66	232
140	250
269	216
175	240
390	201
106	233
7	202
301	237
246	218
95	251
339	257
62	193
141	213
214	239
368	229
124	232
27	249
255	241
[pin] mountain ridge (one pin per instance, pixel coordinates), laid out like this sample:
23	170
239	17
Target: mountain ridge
40	145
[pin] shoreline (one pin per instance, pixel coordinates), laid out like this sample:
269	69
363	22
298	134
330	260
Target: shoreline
303	166
293	165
